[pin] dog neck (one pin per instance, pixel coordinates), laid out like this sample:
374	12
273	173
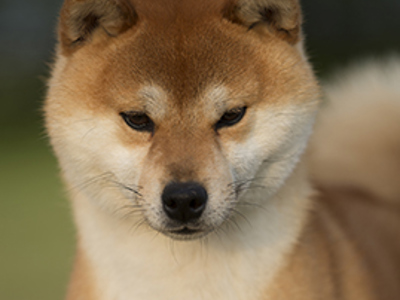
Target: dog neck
124	262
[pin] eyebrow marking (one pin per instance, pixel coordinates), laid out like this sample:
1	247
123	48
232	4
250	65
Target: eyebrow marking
154	99
216	96
220	99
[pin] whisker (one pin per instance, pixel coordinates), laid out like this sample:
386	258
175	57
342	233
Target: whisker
92	180
134	188
128	207
249	204
138	224
172	249
238	213
231	220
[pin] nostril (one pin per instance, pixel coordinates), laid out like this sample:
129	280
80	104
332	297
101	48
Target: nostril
184	201
196	204
171	204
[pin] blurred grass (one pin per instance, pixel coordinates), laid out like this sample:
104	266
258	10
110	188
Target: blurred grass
36	248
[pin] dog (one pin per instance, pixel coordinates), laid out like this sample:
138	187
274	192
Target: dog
183	128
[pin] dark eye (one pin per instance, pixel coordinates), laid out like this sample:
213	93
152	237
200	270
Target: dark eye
231	117
138	121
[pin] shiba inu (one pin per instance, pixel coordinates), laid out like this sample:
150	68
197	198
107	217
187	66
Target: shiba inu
181	128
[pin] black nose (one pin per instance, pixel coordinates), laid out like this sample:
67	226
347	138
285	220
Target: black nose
184	202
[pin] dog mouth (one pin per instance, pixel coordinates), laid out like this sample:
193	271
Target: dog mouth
186	233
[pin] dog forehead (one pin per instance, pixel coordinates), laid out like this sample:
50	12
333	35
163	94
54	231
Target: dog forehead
183	61
164	11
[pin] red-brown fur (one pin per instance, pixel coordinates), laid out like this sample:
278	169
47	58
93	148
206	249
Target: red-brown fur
348	247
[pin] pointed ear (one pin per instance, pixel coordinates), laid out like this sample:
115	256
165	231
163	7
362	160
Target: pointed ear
280	17
80	19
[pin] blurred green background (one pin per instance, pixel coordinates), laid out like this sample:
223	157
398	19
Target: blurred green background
36	231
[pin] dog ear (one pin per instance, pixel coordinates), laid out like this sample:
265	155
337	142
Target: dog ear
80	19
280	17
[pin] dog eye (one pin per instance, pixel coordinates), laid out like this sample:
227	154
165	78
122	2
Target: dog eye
231	117
138	121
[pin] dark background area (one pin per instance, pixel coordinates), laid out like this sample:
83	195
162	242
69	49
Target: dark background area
36	233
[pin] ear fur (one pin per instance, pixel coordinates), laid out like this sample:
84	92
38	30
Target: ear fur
79	20
281	17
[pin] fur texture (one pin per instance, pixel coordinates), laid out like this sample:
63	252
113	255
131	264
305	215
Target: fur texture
361	117
266	232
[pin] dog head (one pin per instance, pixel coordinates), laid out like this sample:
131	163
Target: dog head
172	110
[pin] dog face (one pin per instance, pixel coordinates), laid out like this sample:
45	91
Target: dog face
170	120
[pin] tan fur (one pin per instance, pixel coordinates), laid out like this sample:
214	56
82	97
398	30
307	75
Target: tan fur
265	233
82	285
361	117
